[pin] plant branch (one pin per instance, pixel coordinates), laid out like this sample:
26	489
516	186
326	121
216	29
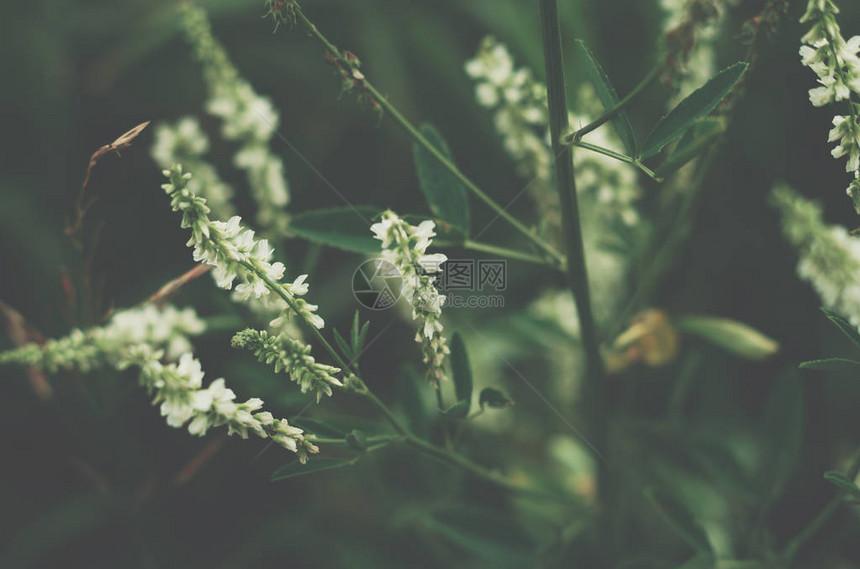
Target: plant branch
618	156
594	385
508	253
420	139
572	138
823	517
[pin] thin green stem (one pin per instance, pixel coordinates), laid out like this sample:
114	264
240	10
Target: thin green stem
420	139
620	157
594	396
822	518
507	253
572	138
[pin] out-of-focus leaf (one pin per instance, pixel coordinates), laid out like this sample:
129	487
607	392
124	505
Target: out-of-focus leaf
461	370
345	228
56	528
494	398
691	109
698	137
732	336
357	439
458	410
608	97
445	194
846	327
843	483
680	520
782	433
831	364
492	536
314	465
411	390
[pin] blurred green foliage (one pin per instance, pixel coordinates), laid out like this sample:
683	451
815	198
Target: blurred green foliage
94	478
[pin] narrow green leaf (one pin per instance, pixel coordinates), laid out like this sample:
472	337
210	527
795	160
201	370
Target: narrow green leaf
831	364
362	337
296	468
458	410
680	520
698	137
732	336
343	228
494	398
846	327
354	331
782	434
461	370
608	97
694	107
843	483
342	344
445	194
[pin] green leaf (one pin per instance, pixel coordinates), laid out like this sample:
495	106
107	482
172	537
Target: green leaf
342	344
831	364
296	468
357	440
680	520
843	483
694	107
494	398
698	137
461	370
782	434
343	228
458	410
846	327
445	194
608	97
734	337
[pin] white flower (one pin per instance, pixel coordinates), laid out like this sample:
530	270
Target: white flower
404	246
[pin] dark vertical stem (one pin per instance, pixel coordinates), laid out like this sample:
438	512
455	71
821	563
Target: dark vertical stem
577	275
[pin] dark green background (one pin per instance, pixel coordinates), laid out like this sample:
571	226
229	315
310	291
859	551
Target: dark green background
86	479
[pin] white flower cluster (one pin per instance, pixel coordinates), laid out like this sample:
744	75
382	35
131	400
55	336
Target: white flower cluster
185	143
165	329
837	65
829	255
520	110
178	387
404	246
290	355
247	118
237	255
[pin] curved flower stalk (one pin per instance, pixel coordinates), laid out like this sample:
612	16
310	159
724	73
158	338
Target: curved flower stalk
829	255
165	329
520	110
178	388
184	142
290	355
246	117
837	65
237	255
405	246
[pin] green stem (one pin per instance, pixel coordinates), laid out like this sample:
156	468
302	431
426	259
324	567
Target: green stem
420	139
618	156
822	518
572	138
505	252
594	396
